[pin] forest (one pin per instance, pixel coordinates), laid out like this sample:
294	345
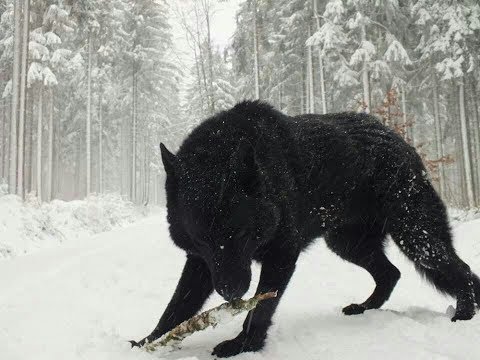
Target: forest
89	88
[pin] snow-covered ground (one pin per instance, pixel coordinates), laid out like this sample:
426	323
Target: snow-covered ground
26	227
85	299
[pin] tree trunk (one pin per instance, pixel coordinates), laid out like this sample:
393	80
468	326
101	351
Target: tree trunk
56	156
280	96
146	178
365	79
306	87
302	91
199	79
27	145
255	52
404	112
77	173
89	115
23	98
141	180
100	144
32	130
50	149
466	146
320	61
39	144
133	190
210	57
471	151
413	141
476	127
438	134
200	54
322	82
124	166
4	139
311	87
459	189
12	181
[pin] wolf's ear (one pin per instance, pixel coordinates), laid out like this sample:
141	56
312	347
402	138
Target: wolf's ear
169	160
245	164
244	156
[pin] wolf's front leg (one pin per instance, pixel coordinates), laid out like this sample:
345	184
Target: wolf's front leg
194	287
275	275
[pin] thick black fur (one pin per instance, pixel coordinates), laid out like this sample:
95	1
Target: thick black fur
254	184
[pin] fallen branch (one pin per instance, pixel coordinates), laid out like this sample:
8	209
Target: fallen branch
208	318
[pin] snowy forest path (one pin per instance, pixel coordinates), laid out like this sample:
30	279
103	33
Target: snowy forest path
54	286
85	299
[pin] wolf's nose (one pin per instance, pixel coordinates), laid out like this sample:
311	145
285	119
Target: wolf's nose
228	292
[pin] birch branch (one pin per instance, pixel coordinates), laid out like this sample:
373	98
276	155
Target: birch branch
206	319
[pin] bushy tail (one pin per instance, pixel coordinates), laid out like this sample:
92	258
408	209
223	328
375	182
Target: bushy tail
442	284
437	279
427	241
476	288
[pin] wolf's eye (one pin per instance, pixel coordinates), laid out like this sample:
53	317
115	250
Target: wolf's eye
202	247
241	234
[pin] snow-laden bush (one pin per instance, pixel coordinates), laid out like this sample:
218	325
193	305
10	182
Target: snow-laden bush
27	226
462	215
97	213
3	187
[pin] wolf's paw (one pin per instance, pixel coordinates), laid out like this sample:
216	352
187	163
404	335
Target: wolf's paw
236	346
137	343
354	309
463	315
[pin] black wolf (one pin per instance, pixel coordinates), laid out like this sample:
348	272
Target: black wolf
254	184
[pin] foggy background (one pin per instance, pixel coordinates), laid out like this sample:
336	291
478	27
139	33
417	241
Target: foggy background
89	88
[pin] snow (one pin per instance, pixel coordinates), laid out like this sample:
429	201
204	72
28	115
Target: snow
365	52
86	299
396	52
52	39
7	90
49	78
29	227
34	73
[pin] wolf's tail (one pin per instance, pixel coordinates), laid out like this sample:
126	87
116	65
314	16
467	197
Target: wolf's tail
444	285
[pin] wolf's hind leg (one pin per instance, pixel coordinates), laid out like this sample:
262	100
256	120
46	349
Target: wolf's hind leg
426	240
364	247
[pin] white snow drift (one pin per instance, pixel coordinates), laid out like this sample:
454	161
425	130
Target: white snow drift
29	226
85	299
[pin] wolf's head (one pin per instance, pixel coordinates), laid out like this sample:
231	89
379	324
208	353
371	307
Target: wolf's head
218	211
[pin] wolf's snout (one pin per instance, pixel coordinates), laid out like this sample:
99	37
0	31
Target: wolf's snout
229	292
232	284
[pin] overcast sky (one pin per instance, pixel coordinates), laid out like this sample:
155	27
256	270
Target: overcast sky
223	24
222	28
